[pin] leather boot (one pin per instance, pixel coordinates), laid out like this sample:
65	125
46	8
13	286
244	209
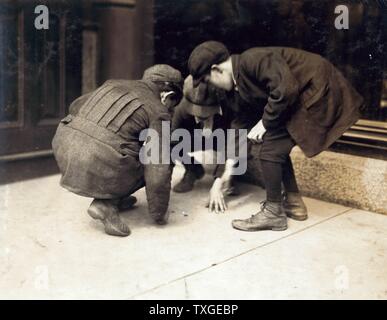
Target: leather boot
186	184
294	206
271	217
126	203
107	212
232	190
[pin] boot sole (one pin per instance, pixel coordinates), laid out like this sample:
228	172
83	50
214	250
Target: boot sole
298	218
262	229
109	229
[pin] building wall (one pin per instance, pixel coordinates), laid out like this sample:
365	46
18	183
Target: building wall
118	41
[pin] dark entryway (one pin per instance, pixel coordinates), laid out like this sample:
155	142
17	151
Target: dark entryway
359	52
40	72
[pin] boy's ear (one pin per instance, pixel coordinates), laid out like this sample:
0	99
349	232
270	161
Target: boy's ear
164	96
215	67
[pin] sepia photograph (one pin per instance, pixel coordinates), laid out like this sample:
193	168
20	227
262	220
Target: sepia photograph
193	150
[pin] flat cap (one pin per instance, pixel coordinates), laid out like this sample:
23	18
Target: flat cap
165	77
203	57
201	101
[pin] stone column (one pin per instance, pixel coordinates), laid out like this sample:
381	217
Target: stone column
125	38
89	49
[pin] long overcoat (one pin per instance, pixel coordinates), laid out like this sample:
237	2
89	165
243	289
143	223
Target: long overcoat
304	92
97	145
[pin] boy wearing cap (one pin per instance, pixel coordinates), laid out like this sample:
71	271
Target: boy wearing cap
309	103
97	146
202	108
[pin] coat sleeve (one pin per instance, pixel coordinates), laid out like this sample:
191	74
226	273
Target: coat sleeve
273	75
224	122
158	175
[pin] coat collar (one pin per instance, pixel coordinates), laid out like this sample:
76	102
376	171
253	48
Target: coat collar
156	91
235	61
153	87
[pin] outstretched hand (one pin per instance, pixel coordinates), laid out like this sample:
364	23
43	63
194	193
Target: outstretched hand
216	202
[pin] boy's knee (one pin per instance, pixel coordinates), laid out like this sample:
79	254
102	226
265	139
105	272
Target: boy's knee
273	155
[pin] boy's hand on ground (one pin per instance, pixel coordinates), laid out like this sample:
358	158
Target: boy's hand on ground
216	200
257	132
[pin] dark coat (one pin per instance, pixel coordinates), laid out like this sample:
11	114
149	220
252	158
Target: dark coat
182	118
97	146
304	92
236	114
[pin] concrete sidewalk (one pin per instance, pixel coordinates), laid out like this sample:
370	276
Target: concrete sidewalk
50	248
